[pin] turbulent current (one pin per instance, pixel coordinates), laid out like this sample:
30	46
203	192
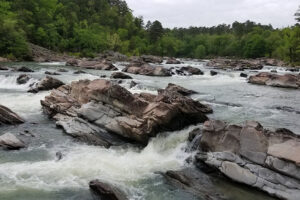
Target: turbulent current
35	173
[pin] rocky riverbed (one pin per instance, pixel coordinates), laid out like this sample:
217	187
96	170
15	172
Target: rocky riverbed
148	128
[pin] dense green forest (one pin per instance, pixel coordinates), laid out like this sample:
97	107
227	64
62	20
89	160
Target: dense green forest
87	27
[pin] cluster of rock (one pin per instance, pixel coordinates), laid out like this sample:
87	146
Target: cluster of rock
243	64
8	117
97	64
275	80
252	155
94	111
146	59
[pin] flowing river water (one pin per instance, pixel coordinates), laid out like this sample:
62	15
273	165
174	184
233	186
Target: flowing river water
34	173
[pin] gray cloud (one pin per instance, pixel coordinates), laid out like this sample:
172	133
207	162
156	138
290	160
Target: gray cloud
185	13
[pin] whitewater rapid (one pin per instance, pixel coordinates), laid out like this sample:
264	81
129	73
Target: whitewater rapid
35	172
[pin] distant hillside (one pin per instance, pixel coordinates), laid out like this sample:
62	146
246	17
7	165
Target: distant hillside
88	27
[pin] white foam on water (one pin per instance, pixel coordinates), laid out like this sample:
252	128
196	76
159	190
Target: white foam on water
24	104
10	82
82	163
53	63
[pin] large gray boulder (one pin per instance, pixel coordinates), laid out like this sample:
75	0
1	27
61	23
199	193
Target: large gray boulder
253	156
90	108
10	142
47	83
275	80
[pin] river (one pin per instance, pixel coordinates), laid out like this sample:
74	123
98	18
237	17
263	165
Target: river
34	173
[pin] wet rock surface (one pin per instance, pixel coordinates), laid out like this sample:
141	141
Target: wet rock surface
10	142
178	89
120	75
105	191
101	107
243	64
275	80
193	181
3	68
213	73
147	70
173	61
252	155
52	73
23	79
9	117
243	75
92	64
47	83
24	69
192	70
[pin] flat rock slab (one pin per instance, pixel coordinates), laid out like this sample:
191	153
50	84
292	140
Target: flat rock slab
289	150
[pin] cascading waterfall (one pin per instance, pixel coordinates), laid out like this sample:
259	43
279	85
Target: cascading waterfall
10	82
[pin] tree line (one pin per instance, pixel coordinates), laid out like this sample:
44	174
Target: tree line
88	27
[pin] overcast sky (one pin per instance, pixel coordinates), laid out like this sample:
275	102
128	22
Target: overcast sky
185	13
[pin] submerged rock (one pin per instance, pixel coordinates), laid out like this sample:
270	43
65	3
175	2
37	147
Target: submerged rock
275	80
101	106
79	72
47	83
213	73
52	73
243	75
105	191
23	79
10	142
147	70
62	70
193	181
132	84
253	156
120	75
192	70
9	117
